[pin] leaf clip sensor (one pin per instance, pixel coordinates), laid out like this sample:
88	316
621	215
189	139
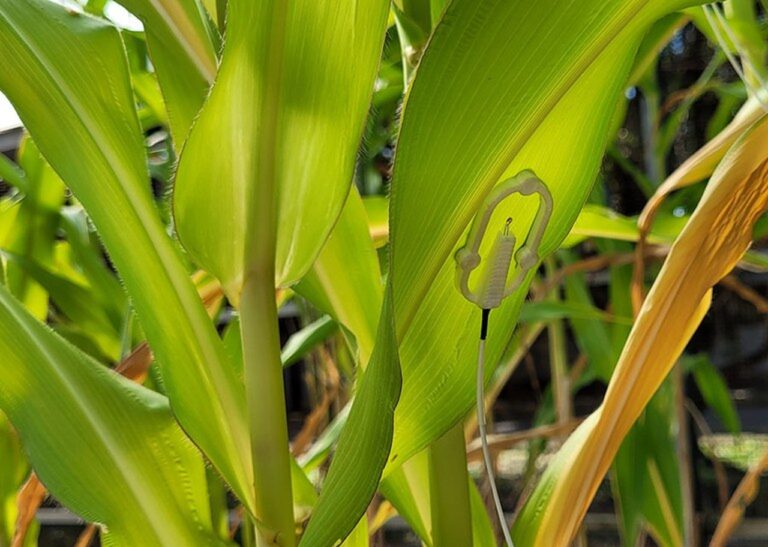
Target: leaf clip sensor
493	286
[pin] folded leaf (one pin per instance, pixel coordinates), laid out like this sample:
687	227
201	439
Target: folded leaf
108	449
712	242
363	446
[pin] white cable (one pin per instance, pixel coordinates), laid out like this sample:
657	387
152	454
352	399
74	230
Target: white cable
484	441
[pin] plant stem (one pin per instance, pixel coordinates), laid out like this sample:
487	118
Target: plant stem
449	489
558	358
266	411
263	371
649	110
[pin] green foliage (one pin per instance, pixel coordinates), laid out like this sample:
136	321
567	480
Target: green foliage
290	136
359	459
253	140
183	43
116	444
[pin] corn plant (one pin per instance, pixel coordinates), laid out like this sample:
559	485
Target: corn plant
256	119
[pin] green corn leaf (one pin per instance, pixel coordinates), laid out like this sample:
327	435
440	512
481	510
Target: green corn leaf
646	477
304	493
9	212
377	208
87	253
107	448
439	389
601	222
657	37
183	43
533	312
56	67
715	392
454	149
302	342
363	445
35	231
408	489
598	221
13	174
592	335
289	107
349	290
440	178
317	454
483	532
359	536
76	303
345	281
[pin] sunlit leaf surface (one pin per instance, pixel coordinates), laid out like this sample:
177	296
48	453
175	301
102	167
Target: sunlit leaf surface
563	146
118	447
288	106
56	67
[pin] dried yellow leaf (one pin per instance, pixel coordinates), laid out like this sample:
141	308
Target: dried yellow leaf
713	241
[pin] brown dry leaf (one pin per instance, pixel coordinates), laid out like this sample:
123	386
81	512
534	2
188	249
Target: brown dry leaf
30	497
744	495
713	241
87	536
314	421
136	365
694	169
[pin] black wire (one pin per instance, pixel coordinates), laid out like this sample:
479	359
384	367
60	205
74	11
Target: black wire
484	324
